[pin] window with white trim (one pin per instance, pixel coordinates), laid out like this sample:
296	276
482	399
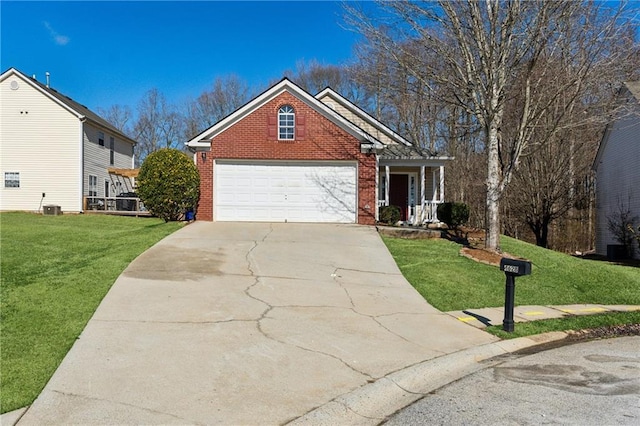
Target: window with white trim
101	138
93	186
12	179
286	123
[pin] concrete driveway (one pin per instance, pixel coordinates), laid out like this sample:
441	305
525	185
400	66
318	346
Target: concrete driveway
229	323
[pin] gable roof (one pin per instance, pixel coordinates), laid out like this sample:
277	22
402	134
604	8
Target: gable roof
362	114
203	139
79	110
631	91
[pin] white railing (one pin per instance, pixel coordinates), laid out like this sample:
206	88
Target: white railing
429	213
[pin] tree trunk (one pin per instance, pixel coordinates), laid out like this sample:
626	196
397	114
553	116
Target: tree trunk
541	230
492	239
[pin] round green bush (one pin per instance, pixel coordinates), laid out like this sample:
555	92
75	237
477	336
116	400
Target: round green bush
453	214
389	214
168	184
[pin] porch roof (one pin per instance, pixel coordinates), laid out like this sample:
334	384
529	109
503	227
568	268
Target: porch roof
403	152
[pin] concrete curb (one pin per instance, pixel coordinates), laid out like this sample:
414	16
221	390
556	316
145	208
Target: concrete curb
373	403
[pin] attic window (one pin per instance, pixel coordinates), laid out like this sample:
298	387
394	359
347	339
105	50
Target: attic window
101	138
286	123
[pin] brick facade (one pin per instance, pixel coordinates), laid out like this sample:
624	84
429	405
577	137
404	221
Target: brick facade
323	140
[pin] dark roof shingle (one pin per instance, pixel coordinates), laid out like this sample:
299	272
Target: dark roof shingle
403	152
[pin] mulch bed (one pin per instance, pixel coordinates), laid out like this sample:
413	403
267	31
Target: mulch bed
471	239
473	248
605	332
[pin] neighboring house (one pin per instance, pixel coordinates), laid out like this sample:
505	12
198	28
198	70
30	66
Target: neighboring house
617	167
55	151
287	156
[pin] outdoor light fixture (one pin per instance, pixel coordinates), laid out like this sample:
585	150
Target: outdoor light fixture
367	148
203	156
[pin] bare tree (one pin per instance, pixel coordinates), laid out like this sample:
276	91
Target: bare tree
119	116
492	51
225	96
158	125
313	77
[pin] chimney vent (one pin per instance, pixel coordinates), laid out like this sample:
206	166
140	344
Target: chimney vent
48	75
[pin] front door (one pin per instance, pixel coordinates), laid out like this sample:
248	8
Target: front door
399	194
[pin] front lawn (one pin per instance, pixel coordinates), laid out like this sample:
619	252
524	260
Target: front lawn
451	282
55	270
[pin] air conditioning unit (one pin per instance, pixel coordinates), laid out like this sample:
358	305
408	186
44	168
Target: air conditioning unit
51	210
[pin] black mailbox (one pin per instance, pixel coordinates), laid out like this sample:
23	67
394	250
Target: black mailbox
512	268
515	267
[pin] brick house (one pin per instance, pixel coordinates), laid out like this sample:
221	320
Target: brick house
287	156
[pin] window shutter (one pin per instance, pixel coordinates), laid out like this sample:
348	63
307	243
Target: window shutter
272	126
301	128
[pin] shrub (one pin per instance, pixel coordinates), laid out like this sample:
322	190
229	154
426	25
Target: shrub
453	214
389	214
168	184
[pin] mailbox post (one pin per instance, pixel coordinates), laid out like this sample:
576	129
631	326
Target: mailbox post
512	268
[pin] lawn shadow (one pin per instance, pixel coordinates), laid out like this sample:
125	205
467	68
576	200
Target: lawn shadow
458	236
635	263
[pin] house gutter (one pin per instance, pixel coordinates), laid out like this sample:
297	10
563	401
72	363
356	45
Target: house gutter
83	119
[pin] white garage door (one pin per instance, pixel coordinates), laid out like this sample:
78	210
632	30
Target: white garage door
279	192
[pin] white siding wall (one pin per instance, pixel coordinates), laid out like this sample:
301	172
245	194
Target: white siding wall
618	177
40	140
97	161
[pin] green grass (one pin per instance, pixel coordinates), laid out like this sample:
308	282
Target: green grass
581	322
452	282
55	270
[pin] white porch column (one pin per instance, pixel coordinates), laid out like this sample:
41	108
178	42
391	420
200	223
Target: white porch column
386	186
434	185
423	205
441	183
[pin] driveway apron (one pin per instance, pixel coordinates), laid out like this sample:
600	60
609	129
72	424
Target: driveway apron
246	323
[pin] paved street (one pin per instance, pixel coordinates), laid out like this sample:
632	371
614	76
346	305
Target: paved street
592	383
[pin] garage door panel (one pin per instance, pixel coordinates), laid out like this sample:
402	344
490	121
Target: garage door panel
276	192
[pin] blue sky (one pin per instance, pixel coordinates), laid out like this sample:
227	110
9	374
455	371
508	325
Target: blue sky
104	53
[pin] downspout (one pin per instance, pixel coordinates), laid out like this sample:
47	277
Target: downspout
83	119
